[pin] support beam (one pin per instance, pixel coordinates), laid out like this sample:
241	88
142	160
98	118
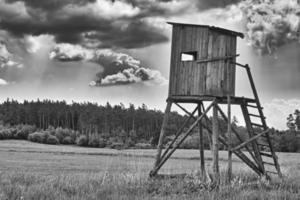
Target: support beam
162	132
179	131
162	161
238	153
223	140
201	145
215	145
238	136
208	135
229	167
250	140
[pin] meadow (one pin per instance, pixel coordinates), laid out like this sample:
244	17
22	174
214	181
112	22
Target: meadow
39	171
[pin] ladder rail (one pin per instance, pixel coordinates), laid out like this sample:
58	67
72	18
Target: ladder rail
263	120
252	134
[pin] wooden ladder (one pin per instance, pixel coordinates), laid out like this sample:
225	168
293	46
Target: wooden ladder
263	149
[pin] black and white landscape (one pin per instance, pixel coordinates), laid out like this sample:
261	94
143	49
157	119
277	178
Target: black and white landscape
83	88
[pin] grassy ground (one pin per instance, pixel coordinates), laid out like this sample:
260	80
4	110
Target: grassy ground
38	171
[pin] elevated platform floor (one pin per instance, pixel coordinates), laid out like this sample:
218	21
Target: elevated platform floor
220	100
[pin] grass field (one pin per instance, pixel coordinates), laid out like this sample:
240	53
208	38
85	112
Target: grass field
37	171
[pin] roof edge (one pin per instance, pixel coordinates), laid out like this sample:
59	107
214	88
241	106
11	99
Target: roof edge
226	31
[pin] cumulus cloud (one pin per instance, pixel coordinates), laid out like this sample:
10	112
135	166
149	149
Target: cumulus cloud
6	57
4	54
68	52
271	24
3	82
34	43
118	68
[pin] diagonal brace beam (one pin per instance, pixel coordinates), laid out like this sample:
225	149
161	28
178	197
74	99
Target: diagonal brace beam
250	140
162	161
178	132
238	153
237	135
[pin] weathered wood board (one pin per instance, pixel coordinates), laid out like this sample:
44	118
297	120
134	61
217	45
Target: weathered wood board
194	78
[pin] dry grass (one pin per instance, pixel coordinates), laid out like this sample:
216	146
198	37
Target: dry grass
37	171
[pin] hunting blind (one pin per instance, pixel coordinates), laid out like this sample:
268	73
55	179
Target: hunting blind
203	65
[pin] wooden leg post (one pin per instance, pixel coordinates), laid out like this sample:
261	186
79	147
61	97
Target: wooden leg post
215	145
229	169
162	135
201	146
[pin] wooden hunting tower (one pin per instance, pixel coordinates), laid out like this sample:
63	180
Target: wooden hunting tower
203	64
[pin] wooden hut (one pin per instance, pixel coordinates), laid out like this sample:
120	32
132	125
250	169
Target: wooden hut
203	64
199	61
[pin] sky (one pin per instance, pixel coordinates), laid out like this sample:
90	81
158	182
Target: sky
118	51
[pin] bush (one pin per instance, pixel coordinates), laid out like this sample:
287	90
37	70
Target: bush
191	142
102	143
23	131
68	140
62	133
117	145
7	133
82	140
39	137
93	142
52	140
51	130
143	146
129	143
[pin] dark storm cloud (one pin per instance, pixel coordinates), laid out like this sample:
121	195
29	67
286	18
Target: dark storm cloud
204	5
97	23
50	4
74	21
136	34
160	7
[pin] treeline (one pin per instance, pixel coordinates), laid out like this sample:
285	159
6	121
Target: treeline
91	124
88	119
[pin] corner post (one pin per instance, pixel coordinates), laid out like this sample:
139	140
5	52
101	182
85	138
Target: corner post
215	145
229	169
201	145
162	135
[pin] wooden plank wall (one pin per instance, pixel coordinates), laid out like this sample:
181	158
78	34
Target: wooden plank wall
192	78
220	75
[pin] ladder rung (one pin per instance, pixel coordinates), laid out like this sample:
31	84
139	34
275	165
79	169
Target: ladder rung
272	172
259	125
253	115
254	106
268	163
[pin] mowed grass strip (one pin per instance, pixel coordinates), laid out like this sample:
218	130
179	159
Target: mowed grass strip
44	175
